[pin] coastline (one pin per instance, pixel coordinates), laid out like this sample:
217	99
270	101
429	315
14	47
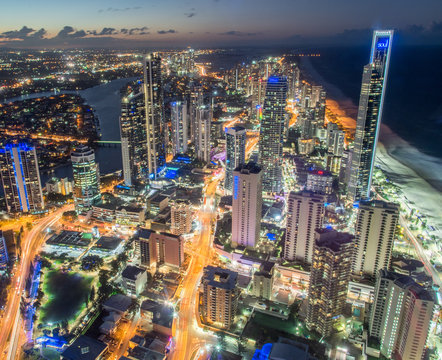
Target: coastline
417	174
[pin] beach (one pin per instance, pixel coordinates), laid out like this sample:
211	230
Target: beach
417	174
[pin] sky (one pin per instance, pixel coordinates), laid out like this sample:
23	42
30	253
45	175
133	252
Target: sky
179	23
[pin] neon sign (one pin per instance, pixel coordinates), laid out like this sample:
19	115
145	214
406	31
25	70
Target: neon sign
382	43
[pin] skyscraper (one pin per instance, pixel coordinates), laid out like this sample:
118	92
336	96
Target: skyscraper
305	214
235	152
329	276
21	178
271	135
374	81
375	230
4	258
202	139
246	205
181	219
400	316
86	178
133	135
154	113
179	127
220	296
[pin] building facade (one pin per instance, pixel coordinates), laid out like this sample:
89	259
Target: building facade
179	127
86	178
271	134
235	153
21	178
375	230
305	214
181	219
374	82
246	205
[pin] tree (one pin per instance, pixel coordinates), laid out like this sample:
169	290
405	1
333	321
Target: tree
241	344
92	294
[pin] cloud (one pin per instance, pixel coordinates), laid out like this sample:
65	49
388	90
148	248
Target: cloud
137	31
170	31
17	34
191	14
112	9
238	33
68	32
108	31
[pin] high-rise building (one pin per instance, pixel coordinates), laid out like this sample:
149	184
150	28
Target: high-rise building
271	135
179	127
375	231
400	316
21	178
86	178
203	124
220	296
246	205
335	140
133	135
155	249
4	258
329	277
305	214
374	82
181	219
154	113
235	152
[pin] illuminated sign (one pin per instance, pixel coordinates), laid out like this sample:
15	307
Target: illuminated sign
235	187
382	43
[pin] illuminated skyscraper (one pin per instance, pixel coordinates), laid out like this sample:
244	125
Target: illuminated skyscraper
181	219
86	178
154	113
133	135
4	258
271	135
179	127
203	124
374	81
235	152
21	178
246	205
329	276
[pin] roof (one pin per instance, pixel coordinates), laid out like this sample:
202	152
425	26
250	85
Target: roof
84	348
332	239
162	314
144	233
108	242
220	278
118	302
249	168
132	272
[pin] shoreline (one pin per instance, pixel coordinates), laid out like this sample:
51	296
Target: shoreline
416	173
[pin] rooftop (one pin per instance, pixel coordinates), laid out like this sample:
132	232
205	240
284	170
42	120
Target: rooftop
220	278
132	272
249	168
84	348
118	302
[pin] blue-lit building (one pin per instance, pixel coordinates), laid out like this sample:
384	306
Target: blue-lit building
374	81
284	349
235	153
4	258
271	135
21	178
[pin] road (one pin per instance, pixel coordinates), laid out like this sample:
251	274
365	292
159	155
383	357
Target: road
189	337
11	331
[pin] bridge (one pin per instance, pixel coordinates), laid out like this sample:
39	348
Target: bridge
108	143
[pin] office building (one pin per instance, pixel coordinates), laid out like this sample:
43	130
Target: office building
329	277
271	134
374	82
4	258
305	214
61	186
235	153
375	230
181	219
400	316
319	181
133	135
156	249
154	114
220	296
86	178
179	127
246	205
134	280
21	178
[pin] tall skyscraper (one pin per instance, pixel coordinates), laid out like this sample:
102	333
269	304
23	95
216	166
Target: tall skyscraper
305	214
154	113
86	178
400	316
203	124
21	178
375	231
374	82
329	276
133	135
181	219
220	296
4	258
271	135
246	204
235	152
179	127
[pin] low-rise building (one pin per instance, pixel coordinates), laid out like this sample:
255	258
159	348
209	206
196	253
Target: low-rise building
85	348
129	215
134	280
